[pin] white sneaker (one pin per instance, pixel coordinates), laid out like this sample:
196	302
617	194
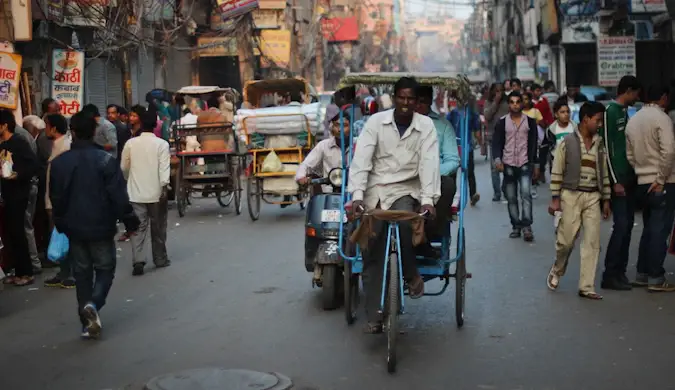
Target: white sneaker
93	321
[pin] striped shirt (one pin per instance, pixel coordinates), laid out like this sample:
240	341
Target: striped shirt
588	178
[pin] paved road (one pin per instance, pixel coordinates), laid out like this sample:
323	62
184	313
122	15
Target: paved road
237	296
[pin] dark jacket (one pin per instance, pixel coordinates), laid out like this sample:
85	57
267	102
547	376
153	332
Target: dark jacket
499	140
123	135
88	193
25	164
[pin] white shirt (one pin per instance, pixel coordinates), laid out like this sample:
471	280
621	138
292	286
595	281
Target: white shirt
387	167
326	154
146	164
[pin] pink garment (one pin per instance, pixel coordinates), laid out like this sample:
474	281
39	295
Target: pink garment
158	129
515	150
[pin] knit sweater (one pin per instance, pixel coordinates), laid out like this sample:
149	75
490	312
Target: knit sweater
650	145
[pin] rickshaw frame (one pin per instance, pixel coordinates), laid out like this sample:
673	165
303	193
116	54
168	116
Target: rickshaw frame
428	268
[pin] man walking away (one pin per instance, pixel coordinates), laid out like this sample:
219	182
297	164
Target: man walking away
32	125
515	148
57	131
579	181
146	166
624	184
650	150
88	196
106	133
455	118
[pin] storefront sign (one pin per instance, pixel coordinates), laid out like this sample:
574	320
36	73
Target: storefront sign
68	80
524	68
85	13
544	58
272	4
10	77
616	58
232	8
266	18
340	29
648	6
217	46
276	46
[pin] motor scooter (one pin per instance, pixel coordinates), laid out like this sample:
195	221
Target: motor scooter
322	226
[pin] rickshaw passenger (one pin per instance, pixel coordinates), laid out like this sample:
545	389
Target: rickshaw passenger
368	108
395	167
449	156
327	154
215	142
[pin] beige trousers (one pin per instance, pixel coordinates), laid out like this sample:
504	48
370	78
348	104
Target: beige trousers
579	209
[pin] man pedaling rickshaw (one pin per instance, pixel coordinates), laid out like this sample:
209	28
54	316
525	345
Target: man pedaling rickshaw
395	167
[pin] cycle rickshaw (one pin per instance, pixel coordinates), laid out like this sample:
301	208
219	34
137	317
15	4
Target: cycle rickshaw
392	302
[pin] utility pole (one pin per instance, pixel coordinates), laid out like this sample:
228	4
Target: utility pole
319	41
126	77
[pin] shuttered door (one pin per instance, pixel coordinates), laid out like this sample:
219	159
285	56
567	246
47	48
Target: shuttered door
146	73
95	83
134	80
114	84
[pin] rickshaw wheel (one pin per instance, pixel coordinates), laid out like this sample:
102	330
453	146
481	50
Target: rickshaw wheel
329	287
392	308
460	281
253	196
224	198
181	196
351	286
237	188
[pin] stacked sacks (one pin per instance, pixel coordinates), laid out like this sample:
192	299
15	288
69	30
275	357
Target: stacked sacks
286	121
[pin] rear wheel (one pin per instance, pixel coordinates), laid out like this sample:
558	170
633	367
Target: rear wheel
392	308
253	195
460	281
351	286
237	186
224	198
329	287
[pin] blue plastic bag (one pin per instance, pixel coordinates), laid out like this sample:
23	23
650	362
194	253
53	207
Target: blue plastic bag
58	246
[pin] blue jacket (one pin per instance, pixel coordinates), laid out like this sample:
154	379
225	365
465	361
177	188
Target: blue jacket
88	193
447	142
454	117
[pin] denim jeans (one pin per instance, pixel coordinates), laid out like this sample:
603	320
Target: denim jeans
657	214
519	178
623	215
496	180
91	258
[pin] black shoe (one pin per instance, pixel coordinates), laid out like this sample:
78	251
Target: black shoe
515	233
615	283
53	282
139	269
496	198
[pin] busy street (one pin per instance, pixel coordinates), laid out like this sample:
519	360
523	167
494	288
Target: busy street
237	296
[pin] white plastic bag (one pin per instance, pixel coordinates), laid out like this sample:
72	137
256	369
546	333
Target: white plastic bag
272	163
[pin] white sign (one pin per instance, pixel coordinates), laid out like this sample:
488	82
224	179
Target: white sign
524	68
616	58
68	80
648	6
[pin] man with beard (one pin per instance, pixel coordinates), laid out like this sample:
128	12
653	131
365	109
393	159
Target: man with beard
395	167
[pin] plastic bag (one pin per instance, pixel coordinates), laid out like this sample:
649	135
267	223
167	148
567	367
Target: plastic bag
58	247
272	163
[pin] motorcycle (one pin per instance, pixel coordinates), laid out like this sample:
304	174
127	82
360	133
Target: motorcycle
322	226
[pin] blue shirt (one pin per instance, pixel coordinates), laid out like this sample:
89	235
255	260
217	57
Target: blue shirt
447	142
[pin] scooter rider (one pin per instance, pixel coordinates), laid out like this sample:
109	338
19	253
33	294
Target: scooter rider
327	154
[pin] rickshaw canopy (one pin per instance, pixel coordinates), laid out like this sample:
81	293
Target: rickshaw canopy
255	89
458	83
199	90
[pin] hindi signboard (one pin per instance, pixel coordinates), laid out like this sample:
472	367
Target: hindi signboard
616	58
10	78
231	8
276	46
67	80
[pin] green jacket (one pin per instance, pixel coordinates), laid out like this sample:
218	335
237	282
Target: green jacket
614	136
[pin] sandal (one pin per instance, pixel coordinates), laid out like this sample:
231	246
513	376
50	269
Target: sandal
553	280
24	281
590	295
374	328
10	280
416	288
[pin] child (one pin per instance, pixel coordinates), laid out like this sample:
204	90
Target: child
579	182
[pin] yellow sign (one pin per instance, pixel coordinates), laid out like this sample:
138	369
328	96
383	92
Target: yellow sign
272	4
10	76
217	46
276	46
265	18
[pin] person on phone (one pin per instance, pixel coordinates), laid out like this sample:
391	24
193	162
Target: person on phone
395	167
650	150
579	183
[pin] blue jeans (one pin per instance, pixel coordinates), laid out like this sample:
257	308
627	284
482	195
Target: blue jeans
516	178
89	258
657	214
623	215
496	180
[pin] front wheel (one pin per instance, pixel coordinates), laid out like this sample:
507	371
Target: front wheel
392	307
224	198
460	282
253	195
237	189
329	287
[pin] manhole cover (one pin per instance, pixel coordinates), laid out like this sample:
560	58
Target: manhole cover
219	379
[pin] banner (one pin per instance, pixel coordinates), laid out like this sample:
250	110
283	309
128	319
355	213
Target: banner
10	79
231	8
616	58
276	46
68	80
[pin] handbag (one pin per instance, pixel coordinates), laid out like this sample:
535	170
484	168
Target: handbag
59	246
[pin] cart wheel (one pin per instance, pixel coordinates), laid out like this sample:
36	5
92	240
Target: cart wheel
253	195
351	291
392	308
237	189
460	281
224	198
181	195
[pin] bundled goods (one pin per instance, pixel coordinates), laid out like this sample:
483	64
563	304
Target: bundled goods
285	185
282	120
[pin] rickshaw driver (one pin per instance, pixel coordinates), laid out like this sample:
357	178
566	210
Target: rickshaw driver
395	167
327	153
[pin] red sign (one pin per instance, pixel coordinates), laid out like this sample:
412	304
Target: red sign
340	29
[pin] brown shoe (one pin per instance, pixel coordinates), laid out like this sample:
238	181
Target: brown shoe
665	286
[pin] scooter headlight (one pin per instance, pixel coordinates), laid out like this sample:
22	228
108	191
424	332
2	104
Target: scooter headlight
335	177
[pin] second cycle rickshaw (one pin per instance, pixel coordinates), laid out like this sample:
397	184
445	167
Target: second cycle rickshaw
447	266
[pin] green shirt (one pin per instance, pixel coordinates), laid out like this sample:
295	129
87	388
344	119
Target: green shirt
614	136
